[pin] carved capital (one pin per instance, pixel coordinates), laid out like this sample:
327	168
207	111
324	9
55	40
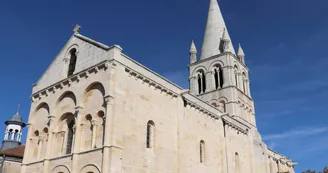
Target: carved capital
108	99
29	125
94	122
78	108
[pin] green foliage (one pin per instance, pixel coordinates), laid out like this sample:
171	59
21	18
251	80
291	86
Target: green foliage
325	170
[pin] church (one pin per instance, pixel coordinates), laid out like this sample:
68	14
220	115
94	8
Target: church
97	110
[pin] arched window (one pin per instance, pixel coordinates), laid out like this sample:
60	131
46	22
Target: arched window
10	134
70	136
201	151
223	106
201	79
150	134
237	162
218	77
72	62
236	75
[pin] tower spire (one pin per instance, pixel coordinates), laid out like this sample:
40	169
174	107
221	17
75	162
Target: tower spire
193	52
241	54
215	28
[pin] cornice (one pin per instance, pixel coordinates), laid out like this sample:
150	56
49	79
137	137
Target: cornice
191	101
150	82
68	81
230	121
219	55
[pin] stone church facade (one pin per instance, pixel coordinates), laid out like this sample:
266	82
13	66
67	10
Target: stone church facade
97	110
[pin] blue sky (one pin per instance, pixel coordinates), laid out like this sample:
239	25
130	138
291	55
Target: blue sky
285	42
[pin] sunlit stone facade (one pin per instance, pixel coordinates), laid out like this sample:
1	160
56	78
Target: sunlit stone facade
97	110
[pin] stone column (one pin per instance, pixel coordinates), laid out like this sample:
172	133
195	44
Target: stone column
191	89
49	150
77	138
210	82
40	142
195	85
94	133
240	80
227	75
248	88
13	135
6	135
107	140
27	149
201	85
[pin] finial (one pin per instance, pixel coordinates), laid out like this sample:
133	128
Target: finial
193	47
241	54
225	36
76	29
18	108
240	51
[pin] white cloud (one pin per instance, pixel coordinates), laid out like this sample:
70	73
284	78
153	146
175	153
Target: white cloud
308	131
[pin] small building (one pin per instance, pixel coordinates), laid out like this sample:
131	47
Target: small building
12	151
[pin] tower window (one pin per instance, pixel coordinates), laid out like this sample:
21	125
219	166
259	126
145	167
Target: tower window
201	79
218	77
221	76
72	62
202	151
150	134
70	136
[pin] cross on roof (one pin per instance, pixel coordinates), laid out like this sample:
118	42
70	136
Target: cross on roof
76	29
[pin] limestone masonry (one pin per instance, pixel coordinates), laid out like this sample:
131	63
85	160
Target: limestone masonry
97	110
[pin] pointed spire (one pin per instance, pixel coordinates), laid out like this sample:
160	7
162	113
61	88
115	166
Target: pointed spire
226	41
225	36
193	52
240	51
214	32
193	47
241	54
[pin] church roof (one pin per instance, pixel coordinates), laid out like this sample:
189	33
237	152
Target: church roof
215	27
16	117
14	152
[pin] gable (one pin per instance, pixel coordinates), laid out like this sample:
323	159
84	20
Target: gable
89	53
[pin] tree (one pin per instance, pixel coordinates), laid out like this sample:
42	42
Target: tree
325	170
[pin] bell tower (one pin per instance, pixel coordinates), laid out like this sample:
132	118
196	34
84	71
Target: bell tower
220	76
13	132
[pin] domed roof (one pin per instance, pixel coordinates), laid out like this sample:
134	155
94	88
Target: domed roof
16	119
